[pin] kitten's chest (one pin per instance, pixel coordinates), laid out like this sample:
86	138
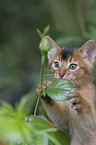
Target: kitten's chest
73	118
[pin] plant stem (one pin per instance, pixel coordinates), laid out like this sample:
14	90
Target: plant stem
80	16
42	66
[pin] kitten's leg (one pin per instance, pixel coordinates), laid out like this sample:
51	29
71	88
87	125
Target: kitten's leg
44	86
79	103
76	143
86	112
74	98
55	109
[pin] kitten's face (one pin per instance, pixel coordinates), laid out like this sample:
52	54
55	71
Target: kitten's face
64	68
73	68
74	65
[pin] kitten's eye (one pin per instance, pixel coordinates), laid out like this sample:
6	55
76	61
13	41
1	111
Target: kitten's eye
73	66
56	64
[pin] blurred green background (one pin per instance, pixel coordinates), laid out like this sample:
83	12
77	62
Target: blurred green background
72	22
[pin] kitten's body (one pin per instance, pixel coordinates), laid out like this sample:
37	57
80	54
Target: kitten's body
78	115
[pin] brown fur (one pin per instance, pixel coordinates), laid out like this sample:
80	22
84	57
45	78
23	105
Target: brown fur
78	115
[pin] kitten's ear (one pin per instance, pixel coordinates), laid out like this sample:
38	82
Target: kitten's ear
54	48
88	51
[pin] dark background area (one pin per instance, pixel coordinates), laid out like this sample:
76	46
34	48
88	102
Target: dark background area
72	23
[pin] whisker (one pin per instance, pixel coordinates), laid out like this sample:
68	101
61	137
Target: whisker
83	81
78	81
75	82
72	82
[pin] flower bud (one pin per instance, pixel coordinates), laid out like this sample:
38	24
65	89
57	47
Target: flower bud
44	45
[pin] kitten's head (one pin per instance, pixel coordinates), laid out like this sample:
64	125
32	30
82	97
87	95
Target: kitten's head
71	63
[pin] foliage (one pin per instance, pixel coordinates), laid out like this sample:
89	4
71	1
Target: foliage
42	35
94	73
16	130
59	90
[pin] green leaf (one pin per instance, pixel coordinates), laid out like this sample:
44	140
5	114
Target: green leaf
62	137
15	130
39	123
42	110
44	129
94	72
39	33
42	35
59	89
46	30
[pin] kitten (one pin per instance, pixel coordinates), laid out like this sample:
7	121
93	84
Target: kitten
77	115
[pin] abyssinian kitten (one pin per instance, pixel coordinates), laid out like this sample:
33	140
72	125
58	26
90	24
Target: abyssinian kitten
76	115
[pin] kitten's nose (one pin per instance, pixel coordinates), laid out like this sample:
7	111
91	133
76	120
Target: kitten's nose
61	75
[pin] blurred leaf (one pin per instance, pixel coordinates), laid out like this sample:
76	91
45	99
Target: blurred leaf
94	72
43	128
37	122
62	137
46	30
42	35
59	89
16	130
70	40
39	33
91	34
42	110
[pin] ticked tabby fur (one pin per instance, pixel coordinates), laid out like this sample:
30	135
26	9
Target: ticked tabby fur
77	115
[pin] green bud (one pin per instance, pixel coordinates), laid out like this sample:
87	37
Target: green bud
44	45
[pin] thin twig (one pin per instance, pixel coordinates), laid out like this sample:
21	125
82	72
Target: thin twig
80	16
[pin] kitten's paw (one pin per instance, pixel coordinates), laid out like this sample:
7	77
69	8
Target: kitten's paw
45	84
74	98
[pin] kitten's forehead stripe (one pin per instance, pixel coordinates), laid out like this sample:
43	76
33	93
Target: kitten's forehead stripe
70	59
66	52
